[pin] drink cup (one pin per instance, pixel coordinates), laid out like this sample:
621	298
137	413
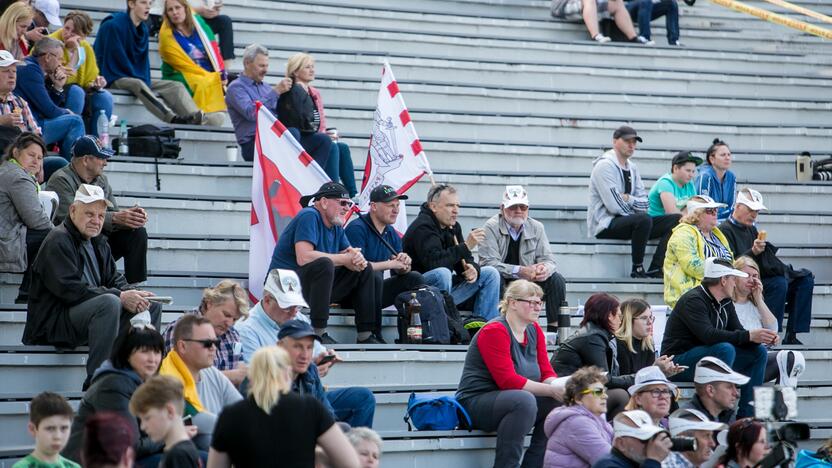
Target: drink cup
231	153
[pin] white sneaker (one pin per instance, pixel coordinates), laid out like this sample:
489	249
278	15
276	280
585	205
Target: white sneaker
791	365
643	40
676	44
601	39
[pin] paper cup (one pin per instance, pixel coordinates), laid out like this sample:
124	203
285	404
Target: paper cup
231	153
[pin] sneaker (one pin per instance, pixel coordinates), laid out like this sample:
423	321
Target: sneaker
791	365
191	119
371	340
657	273
638	272
675	44
643	40
327	339
791	339
380	338
601	39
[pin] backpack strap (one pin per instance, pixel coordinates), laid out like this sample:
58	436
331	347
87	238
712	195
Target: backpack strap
461	410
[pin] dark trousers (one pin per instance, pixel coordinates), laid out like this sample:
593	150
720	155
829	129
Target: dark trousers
130	244
316	144
639	228
645	11
512	413
554	293
34	238
222	27
322	284
792	296
247	148
397	284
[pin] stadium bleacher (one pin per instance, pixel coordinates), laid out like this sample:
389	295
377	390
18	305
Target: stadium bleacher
499	94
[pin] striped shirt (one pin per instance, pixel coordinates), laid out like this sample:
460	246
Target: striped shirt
11	103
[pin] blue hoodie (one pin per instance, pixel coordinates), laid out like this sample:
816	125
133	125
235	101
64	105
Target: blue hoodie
708	184
121	49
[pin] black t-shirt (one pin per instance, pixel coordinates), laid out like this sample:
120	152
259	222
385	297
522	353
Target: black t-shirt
181	455
285	437
628	181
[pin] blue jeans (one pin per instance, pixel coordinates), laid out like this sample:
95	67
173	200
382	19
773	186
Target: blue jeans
355	406
486	289
790	296
645	11
339	166
51	164
749	360
64	130
99	100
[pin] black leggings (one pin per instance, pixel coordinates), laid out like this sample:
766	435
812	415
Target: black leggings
639	228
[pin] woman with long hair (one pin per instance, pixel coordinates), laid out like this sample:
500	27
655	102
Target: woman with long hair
634	339
13	25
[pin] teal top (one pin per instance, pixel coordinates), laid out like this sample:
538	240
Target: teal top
31	462
666	184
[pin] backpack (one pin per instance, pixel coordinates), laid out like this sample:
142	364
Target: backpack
435	413
433	315
152	141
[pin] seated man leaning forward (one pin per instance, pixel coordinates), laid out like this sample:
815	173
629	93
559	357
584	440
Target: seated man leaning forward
77	296
434	240
355	406
704	323
314	245
517	246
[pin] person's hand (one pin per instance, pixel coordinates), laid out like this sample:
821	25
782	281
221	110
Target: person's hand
762	336
283	86
135	301
72	42
658	448
541	272
475	237
34	35
132	218
405	259
237	374
12	119
557	392
625	197
758	247
398	265
527	272
354	259
99	83
59	78
667	366
191	431
323	369
470	273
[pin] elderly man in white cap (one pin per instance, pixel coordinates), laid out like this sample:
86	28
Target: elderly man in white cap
704	323
692	423
779	280
517	246
637	442
717	390
77	297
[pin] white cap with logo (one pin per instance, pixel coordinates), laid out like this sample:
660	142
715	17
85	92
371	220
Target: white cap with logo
515	195
284	285
751	198
637	424
690	419
710	369
87	194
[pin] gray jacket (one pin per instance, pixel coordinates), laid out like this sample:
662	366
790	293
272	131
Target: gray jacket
20	210
534	246
65	183
606	185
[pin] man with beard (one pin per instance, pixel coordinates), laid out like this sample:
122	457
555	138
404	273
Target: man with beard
330	269
517	246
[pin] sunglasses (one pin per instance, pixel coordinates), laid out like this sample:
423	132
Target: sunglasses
710	211
207	343
343	203
596	392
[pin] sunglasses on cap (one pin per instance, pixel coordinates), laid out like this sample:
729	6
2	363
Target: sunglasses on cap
207	343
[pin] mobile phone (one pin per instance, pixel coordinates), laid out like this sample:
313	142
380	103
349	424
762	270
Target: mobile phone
327	359
188	420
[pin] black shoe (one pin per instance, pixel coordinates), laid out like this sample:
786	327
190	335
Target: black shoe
657	273
22	298
371	340
791	339
380	338
191	119
327	340
638	272
690	2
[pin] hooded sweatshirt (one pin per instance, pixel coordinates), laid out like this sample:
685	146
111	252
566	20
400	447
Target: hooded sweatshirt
577	438
606	187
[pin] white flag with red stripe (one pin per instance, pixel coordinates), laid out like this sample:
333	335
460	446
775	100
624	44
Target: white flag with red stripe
283	172
395	157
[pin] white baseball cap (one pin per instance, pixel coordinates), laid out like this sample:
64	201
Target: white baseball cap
751	198
716	270
7	59
636	424
710	369
691	420
705	202
650	375
284	285
51	9
515	195
87	194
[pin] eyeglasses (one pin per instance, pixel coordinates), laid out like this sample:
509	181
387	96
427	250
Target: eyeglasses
710	211
646	318
531	302
658	392
596	392
207	343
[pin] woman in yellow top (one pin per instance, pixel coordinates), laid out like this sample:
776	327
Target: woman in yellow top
190	55
80	58
693	240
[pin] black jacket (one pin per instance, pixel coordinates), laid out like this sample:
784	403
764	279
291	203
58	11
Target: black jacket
699	320
630	362
110	391
741	239
295	108
590	346
728	416
58	284
430	246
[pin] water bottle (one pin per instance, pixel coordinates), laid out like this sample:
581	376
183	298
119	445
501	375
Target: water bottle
414	326
102	125
564	322
123	149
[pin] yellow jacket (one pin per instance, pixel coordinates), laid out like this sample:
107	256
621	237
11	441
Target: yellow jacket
684	262
88	71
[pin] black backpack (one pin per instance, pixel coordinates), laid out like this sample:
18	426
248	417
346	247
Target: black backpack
152	141
434	319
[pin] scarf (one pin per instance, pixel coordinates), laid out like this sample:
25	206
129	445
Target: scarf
174	366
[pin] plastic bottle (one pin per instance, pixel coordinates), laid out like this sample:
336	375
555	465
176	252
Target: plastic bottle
414	327
123	149
102	125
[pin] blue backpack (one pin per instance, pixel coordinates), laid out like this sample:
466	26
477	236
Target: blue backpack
435	413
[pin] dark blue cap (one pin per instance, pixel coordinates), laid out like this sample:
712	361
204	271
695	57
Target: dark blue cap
296	329
88	145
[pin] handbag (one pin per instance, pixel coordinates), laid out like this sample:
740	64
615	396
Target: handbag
435	413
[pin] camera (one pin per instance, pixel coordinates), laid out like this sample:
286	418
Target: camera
777	407
683	444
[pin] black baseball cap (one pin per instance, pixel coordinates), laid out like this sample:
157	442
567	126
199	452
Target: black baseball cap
385	193
327	190
296	329
685	157
626	133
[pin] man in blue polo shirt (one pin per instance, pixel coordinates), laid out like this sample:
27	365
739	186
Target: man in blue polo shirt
315	247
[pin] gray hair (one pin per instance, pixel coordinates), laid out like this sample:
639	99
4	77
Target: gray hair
436	191
356	435
252	51
45	44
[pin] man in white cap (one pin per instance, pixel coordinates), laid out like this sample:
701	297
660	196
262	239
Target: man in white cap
637	442
517	246
77	296
779	279
716	388
704	323
692	423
